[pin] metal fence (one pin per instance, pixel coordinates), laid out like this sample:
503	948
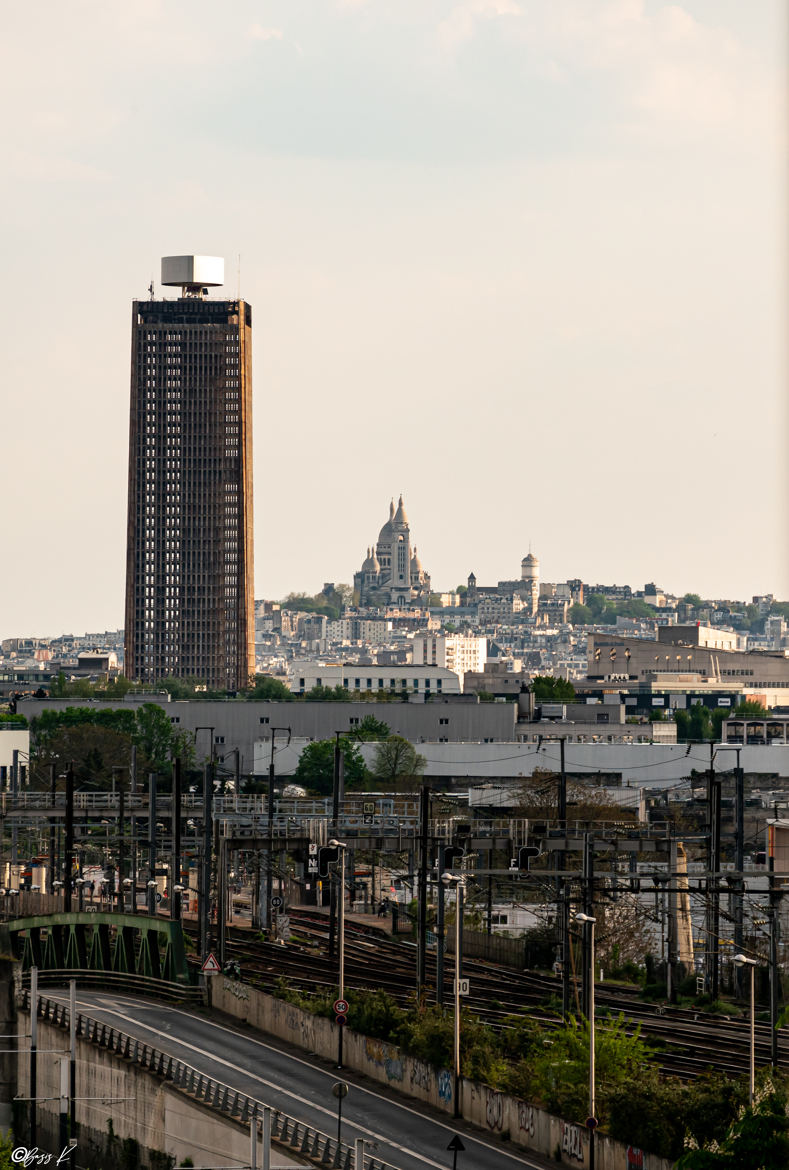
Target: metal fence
299	1137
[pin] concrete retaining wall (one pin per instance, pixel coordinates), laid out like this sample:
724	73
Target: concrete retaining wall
115	1097
498	1113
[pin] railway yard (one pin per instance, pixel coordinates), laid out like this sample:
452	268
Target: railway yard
686	1042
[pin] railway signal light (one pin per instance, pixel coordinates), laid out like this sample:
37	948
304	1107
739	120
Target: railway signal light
451	854
326	855
525	854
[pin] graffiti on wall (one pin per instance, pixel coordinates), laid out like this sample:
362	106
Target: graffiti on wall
494	1109
445	1085
572	1141
236	989
635	1158
421	1075
385	1057
526	1118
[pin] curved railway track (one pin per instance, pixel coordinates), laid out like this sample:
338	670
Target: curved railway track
685	1042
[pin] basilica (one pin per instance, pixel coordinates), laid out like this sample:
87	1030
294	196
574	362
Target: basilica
392	573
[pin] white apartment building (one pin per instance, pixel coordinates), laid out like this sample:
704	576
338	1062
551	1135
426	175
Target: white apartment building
305	674
371	631
456	652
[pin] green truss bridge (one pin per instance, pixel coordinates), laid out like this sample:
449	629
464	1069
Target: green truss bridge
132	952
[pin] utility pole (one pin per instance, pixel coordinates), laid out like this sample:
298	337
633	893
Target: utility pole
713	874
562	888
338	795
421	929
440	931
175	868
14	799
151	887
52	861
772	918
270	818
205	860
588	898
132	799
739	865
672	906
121	851
68	844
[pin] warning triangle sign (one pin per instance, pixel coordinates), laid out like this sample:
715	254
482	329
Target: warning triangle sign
210	965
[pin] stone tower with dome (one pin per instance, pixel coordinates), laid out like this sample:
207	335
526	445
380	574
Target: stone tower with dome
392	572
530	576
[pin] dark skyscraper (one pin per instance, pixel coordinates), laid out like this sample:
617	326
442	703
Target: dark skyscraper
189	562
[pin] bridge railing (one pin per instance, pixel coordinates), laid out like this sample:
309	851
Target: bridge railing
159	989
222	1098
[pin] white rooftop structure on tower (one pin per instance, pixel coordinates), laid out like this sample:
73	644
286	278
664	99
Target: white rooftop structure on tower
193	272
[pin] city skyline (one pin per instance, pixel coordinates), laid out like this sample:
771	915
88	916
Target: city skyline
523	263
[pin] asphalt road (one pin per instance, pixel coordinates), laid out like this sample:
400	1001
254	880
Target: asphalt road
408	1135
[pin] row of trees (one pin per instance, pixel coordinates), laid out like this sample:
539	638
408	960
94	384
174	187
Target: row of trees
396	765
98	743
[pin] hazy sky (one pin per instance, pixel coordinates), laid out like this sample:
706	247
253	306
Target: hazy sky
522	260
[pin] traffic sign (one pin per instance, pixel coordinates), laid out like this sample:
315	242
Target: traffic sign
455	1146
341	1007
592	1123
342	1020
463	986
340	1089
210	965
276	901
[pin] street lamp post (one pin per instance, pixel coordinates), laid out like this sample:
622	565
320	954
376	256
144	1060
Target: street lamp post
744	961
459	882
341	847
591	1120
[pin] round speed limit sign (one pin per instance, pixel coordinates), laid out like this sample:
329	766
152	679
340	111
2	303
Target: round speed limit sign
341	1007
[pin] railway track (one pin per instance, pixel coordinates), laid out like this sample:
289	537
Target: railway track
684	1042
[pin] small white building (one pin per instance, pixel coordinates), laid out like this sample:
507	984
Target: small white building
425	681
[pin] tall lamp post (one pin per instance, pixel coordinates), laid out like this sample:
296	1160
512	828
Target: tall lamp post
341	847
591	1121
459	882
744	961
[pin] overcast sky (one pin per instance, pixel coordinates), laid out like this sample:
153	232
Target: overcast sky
523	261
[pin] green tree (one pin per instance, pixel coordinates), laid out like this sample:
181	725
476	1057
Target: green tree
315	769
157	739
371	728
266	689
695	724
747	707
757	1140
97	740
336	694
693	599
396	761
580	615
561	1069
546	688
